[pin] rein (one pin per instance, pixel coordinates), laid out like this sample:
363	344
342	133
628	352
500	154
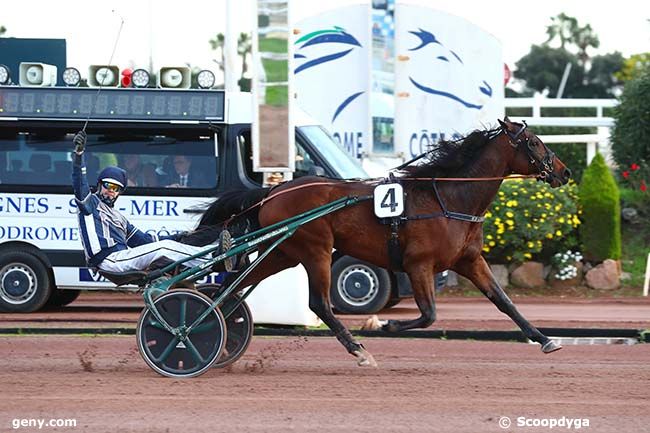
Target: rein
269	197
472	179
448	214
543	164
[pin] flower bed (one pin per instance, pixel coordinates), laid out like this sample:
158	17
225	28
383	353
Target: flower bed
529	219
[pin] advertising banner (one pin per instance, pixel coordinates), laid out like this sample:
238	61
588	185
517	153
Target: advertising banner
331	72
448	78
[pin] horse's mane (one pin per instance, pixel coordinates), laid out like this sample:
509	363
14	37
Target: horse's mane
448	157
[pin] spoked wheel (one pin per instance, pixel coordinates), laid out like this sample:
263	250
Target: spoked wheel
172	355
239	324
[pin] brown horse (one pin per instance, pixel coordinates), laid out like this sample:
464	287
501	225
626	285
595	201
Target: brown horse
437	229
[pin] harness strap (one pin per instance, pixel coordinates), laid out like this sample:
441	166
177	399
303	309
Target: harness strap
454	215
395	256
446	213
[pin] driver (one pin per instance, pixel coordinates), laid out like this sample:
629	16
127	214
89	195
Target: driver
110	242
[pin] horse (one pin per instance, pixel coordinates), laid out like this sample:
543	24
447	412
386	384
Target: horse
442	228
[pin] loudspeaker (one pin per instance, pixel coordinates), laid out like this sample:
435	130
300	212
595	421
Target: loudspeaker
37	74
103	75
176	77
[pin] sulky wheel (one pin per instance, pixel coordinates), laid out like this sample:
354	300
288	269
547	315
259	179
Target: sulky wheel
239	324
174	356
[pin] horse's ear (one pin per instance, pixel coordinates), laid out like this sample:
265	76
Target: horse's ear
503	123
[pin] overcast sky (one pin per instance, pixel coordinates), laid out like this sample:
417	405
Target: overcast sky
177	32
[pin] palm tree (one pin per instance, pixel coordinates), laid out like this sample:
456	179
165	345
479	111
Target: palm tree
563	27
244	47
217	44
584	37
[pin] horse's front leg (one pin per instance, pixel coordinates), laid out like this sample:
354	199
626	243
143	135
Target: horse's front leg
421	278
478	271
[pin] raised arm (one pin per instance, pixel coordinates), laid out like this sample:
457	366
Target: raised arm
79	180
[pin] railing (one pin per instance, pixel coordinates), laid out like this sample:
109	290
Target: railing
595	142
646	282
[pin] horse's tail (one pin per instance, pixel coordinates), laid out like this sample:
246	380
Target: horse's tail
233	203
237	203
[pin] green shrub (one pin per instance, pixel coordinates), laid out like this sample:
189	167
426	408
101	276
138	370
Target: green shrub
600	233
631	132
529	218
636	199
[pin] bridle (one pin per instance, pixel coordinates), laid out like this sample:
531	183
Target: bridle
543	164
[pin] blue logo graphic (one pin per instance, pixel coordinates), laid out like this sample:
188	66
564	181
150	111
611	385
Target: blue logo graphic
326	39
450	57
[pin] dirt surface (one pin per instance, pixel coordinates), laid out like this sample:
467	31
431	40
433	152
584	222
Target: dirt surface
312	385
106	309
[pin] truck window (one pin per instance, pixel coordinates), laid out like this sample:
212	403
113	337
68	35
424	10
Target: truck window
342	163
245	145
173	160
304	161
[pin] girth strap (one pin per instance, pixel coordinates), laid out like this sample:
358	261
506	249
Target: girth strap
450	214
445	212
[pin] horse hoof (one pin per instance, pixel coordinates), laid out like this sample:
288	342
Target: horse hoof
551	346
373	323
364	358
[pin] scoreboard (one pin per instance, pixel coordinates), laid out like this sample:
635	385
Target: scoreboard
130	104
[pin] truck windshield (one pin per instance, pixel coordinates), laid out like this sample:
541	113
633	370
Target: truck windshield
343	163
42	157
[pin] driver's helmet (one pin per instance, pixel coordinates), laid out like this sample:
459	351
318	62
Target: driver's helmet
114	175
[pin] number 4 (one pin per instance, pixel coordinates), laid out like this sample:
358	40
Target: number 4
389	200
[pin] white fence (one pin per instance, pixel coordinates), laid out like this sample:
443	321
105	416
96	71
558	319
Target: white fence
595	142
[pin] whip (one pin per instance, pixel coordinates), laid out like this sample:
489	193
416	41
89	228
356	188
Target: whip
110	60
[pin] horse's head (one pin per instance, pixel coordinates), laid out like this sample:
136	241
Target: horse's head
531	155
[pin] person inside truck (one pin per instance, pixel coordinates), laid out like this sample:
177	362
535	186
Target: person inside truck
137	173
183	177
110	242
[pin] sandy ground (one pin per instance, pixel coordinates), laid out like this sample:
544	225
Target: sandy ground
312	385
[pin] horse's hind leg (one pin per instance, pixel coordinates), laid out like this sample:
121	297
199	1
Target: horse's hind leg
479	273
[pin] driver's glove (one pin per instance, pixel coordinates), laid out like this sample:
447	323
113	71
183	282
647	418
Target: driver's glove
79	141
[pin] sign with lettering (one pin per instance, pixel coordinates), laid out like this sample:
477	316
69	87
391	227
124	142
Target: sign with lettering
332	71
448	78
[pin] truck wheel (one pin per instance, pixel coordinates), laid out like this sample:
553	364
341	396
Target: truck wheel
61	298
358	287
24	282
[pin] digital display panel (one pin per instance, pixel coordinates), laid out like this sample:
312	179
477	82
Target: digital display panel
111	104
